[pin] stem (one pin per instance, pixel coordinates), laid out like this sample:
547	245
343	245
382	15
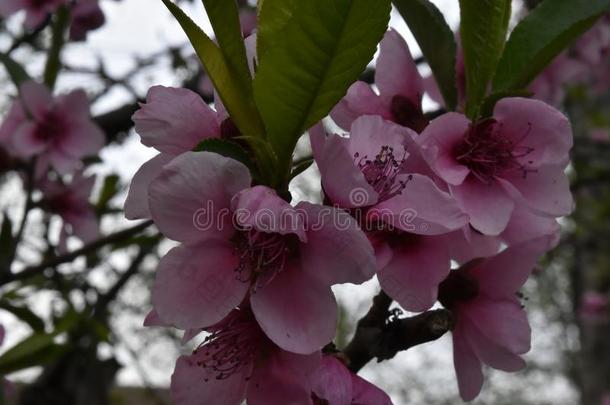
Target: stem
60	25
68	257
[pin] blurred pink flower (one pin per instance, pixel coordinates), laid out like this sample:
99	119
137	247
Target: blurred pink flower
58	131
333	384
400	89
550	85
238	239
36	10
173	121
86	16
595	307
236	362
71	202
516	158
491	326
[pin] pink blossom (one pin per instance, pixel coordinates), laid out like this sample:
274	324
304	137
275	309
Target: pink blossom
517	157
491	327
400	89
173	121
237	239
378	173
58	131
236	362
333	384
36	10
86	16
595	307
550	85
71	202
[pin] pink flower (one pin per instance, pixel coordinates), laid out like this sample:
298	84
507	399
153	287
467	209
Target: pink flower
86	16
400	89
36	10
237	239
491	327
333	384
379	175
550	85
59	131
595	307
173	121
236	362
71	202
515	158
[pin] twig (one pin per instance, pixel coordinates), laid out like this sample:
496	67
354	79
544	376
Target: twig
68	257
378	336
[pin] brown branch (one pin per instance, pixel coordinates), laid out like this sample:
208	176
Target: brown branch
379	336
68	257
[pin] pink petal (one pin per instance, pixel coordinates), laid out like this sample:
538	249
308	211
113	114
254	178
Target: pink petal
535	124
332	382
491	353
36	99
417	268
336	251
174	120
136	204
81	139
370	133
503	323
467	366
525	225
282	379
192	385
75	105
365	393
190	199
360	100
260	208
421	208
9	7
153	319
504	274
396	72
488	205
84	224
297	312
546	190
25	141
438	141
467	244
342	181
196	286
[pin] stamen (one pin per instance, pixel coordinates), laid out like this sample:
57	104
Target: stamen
489	155
381	173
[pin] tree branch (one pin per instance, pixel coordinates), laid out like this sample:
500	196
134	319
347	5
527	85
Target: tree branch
380	335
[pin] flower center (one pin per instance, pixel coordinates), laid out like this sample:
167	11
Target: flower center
233	346
262	255
50	127
489	155
408	114
382	172
457	287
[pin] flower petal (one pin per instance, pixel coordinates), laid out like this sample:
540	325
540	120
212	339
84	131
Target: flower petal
360	100
196	286
336	251
417	268
190	199
297	312
332	382
467	366
36	99
174	120
136	203
365	393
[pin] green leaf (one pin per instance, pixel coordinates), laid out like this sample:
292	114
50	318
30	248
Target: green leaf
228	149
234	95
24	314
6	243
16	72
109	190
273	19
313	61
483	33
60	24
224	16
542	35
437	43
